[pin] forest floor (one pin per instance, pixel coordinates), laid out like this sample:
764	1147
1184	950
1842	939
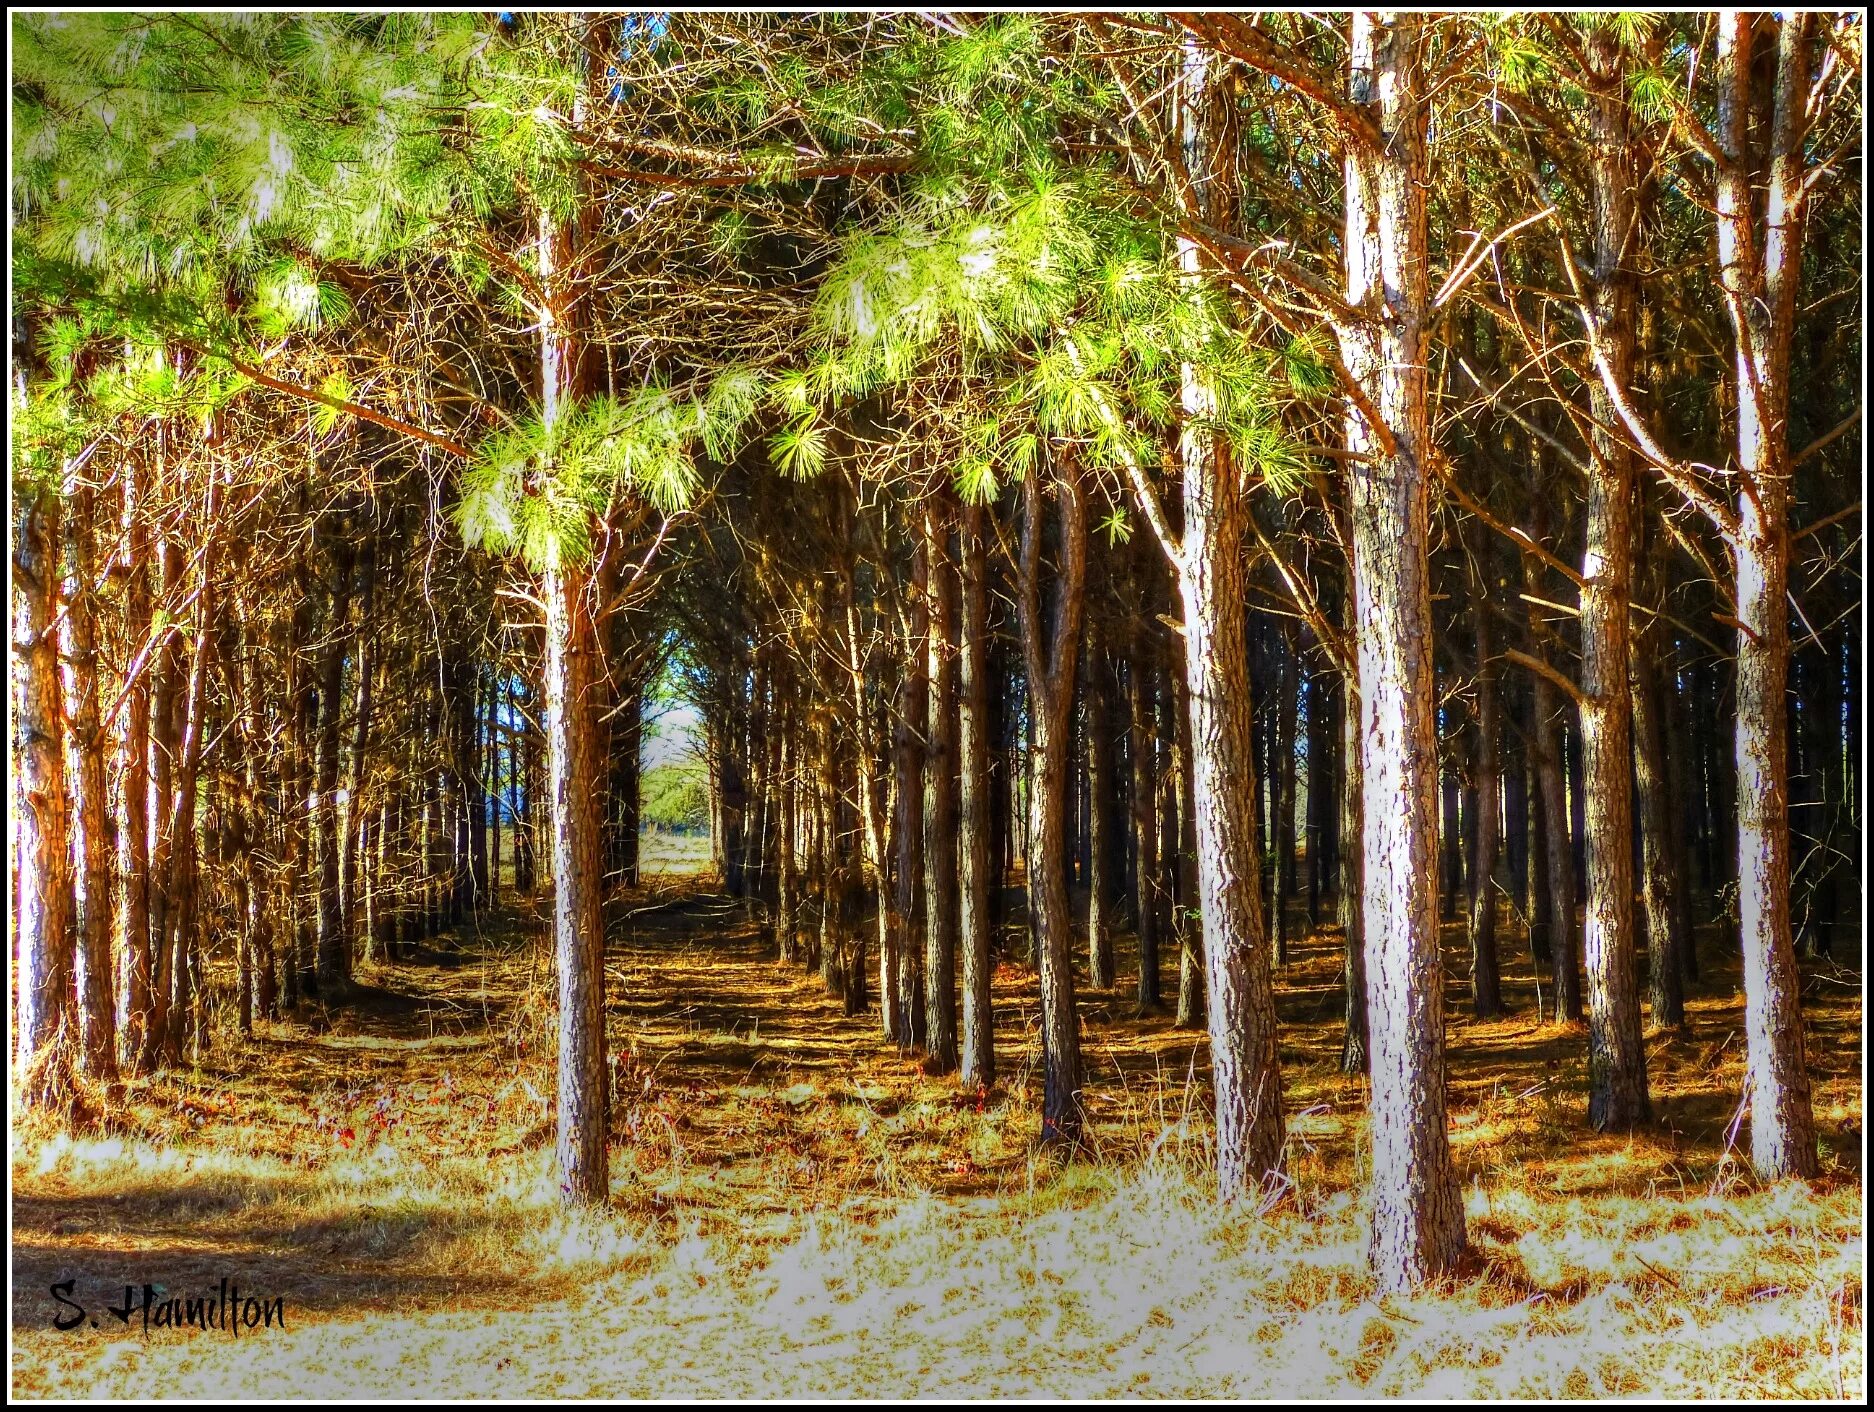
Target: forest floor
799	1211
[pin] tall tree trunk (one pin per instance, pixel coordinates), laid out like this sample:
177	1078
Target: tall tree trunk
1486	983
1141	680
1048	652
910	731
1188	925
1099	814
572	674
97	1014
44	919
974	922
573	782
1616	1055
1418	1218
357	759
1350	903
179	940
1281	795
334	964
940	798
1760	275
133	773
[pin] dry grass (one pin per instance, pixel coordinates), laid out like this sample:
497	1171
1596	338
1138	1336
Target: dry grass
798	1211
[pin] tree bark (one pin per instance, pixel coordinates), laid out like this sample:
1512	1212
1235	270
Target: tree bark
1486	982
47	941
1048	652
940	799
974	923
97	1014
1418	1218
1760	275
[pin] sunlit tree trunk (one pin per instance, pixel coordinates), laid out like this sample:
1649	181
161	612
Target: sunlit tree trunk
1486	983
904	985
97	1014
133	773
356	764
44	909
1760	271
1616	1057
1048	649
572	674
1187	927
1141	685
1099	791
1418	1218
333	968
978	1056
940	799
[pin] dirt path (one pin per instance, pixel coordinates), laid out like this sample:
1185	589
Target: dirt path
798	1210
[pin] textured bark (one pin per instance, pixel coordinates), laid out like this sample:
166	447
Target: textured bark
1418	1217
178	941
940	801
44	909
1617	1095
351	817
133	773
903	984
333	954
572	674
1665	977
1352	886
1188	926
1048	649
97	1013
1094	701
974	923
1556	864
1140	684
1760	273
1486	982
1317	819
1245	1071
1665	987
786	897
573	782
1281	797
164	726
1679	790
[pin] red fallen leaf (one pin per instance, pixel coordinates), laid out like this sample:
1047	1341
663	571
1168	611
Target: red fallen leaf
346	1136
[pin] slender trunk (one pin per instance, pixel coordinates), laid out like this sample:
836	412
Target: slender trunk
1616	1055
1145	909
97	1014
978	1057
905	983
940	800
1099	816
573	781
1418	1218
334	959
573	679
1048	651
356	766
44	919
1760	276
1352	885
133	773
1188	926
1486	984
